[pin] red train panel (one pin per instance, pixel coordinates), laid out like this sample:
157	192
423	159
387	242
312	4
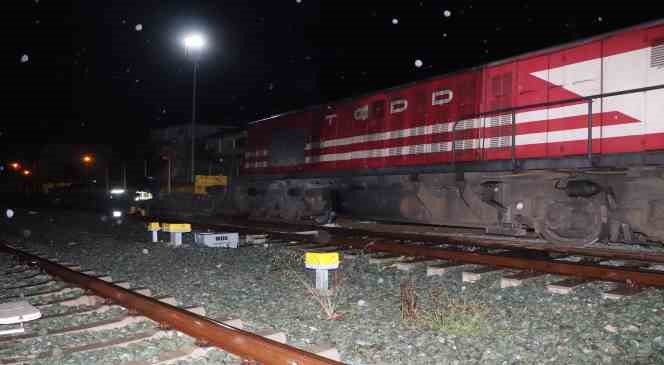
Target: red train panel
470	116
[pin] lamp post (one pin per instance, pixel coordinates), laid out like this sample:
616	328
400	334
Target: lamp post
194	44
88	160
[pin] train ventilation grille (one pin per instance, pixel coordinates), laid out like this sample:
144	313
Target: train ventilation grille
466	144
440	147
504	124
657	54
416	149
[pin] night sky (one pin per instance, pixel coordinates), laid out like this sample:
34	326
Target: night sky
108	71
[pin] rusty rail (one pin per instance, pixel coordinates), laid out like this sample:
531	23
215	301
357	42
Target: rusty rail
632	276
441	238
244	344
584	270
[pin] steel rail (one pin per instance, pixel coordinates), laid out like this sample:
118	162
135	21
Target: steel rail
441	238
244	344
632	276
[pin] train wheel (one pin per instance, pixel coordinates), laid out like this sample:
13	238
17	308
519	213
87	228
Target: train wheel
577	222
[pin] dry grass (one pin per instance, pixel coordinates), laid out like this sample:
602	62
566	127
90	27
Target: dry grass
456	316
328	300
290	266
408	300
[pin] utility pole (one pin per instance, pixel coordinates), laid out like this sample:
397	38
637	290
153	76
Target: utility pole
169	175
124	176
193	123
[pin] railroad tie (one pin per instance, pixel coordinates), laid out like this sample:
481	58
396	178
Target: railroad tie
442	269
566	286
474	275
519	278
622	291
382	259
410	265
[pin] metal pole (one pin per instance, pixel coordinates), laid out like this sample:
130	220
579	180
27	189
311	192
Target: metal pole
124	175
106	177
513	139
193	122
169	175
145	168
590	130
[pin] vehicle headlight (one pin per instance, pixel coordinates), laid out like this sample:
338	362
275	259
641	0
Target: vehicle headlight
117	214
117	191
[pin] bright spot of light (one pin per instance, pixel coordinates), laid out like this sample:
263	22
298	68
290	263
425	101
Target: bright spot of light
298	1
117	191
117	214
138	27
194	41
395	21
9	213
418	63
25	58
447	13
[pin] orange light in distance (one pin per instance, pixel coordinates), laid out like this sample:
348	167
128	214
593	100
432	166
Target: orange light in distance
87	158
15	165
26	172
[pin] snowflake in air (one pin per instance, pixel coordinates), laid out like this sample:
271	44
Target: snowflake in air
25	58
418	63
447	13
138	27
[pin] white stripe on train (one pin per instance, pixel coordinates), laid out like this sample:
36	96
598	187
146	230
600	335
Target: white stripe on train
571	135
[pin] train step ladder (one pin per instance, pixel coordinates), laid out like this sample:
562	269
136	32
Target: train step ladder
16	313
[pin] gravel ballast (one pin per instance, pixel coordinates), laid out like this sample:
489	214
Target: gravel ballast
457	323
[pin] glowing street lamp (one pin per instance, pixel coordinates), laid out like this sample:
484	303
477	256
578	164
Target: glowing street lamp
27	172
194	44
15	166
87	159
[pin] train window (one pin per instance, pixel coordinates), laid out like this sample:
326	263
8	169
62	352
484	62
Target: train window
657	54
378	108
287	147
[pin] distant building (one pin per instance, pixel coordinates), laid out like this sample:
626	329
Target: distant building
174	143
227	150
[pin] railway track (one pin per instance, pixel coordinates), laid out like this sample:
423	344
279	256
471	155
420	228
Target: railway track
83	312
630	271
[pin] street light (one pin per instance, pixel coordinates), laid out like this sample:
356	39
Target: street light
88	160
15	166
194	45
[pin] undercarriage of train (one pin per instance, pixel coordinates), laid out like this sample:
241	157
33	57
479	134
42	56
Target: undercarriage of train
570	207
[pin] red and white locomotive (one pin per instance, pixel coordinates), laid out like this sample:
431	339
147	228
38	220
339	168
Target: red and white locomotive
568	141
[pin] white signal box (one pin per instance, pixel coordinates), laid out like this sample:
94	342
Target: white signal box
213	239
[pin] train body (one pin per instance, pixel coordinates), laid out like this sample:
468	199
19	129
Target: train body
567	141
